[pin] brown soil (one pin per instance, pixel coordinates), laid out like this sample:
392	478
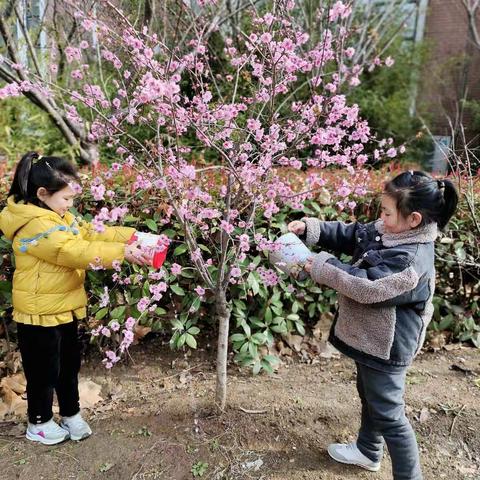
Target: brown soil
157	422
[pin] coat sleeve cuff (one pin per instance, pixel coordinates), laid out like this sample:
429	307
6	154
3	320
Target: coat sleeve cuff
317	265
312	227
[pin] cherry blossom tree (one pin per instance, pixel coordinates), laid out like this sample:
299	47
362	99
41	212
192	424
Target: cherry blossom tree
222	129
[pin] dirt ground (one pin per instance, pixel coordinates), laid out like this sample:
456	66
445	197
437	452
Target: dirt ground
156	422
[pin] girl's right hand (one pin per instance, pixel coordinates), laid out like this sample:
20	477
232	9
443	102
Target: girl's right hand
134	254
297	227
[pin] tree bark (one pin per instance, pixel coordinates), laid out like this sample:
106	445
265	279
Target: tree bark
222	314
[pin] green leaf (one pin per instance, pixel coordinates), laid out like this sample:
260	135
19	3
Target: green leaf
190	340
101	313
256	368
177	324
282	328
177	290
300	328
195	304
446	322
267	367
180	249
118	313
247	329
253	283
237	337
272	359
157	326
240	304
105	467
295	307
187	273
277	310
170	233
181	340
258	338
151	225
193	330
257	323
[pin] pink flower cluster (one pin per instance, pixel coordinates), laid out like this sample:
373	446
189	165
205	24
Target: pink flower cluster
126	337
268	276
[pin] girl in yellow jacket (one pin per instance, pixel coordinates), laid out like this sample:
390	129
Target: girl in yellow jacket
52	251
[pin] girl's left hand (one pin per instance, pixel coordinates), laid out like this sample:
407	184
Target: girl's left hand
308	265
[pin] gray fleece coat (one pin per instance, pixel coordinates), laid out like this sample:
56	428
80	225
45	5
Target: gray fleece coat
384	294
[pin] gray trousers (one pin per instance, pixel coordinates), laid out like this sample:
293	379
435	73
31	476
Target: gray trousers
383	419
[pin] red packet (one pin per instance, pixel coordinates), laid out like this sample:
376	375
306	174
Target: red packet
153	242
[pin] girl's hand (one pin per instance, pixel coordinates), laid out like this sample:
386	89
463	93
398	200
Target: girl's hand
297	227
308	265
134	254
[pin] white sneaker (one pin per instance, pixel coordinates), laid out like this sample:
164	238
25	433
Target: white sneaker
48	433
350	454
76	426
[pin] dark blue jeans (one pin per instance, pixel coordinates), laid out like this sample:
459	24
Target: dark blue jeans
383	419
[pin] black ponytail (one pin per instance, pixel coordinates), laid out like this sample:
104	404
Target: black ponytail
19	186
416	191
450	197
34	172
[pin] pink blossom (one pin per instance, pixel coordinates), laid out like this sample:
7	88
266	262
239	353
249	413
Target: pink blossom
104	298
389	61
339	10
105	332
115	326
349	52
129	323
87	24
227	227
76	187
266	37
268	276
176	269
76	75
200	291
72	53
98	225
143	304
98	192
235	272
392	152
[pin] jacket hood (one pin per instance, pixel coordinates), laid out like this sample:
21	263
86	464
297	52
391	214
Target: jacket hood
16	215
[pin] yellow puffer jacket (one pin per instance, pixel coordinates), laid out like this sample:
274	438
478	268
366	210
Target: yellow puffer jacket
51	256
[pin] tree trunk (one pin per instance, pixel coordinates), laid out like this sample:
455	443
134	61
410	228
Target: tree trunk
89	153
222	314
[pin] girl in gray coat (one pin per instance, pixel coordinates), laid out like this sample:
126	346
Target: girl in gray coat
385	304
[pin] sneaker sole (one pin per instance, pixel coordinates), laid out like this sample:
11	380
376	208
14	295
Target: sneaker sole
79	439
76	438
346	462
45	441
